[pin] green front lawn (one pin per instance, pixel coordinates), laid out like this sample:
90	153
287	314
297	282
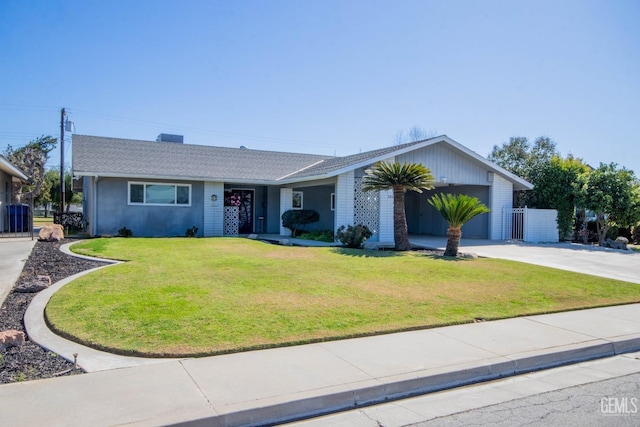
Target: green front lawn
184	296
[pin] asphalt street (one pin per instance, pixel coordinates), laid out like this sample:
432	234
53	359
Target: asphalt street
604	392
614	402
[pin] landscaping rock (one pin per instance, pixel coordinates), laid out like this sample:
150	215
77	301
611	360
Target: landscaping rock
36	284
470	255
51	233
619	243
11	338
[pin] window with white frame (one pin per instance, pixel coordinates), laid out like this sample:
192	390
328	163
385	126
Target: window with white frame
159	194
296	202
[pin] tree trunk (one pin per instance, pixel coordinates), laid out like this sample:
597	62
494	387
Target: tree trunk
603	228
400	233
453	241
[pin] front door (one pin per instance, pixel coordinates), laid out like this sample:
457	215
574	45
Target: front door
243	199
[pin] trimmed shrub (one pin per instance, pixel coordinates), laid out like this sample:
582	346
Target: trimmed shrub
318	235
191	232
353	236
626	233
296	220
125	232
635	234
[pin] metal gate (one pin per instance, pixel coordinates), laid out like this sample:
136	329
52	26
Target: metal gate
16	220
514	223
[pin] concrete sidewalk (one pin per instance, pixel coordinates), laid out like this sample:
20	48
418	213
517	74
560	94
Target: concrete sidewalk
14	251
276	385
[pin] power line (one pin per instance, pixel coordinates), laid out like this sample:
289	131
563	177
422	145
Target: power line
149	123
146	123
21	107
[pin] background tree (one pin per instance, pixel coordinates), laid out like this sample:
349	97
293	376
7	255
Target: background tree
70	198
50	182
414	134
525	160
555	189
31	159
399	178
457	211
613	194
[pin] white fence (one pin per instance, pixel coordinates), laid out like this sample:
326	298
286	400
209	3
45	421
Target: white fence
530	225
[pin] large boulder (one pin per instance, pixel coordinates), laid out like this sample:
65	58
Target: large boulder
35	285
51	233
11	338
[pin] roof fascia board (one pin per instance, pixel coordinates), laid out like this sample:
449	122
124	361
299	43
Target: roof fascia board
300	170
311	183
173	178
13	170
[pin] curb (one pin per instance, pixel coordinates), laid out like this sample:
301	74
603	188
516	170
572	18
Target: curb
340	398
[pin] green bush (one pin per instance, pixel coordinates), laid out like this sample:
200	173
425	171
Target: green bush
635	235
353	236
318	235
296	220
125	232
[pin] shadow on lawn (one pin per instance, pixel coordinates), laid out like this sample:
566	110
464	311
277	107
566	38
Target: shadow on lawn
366	253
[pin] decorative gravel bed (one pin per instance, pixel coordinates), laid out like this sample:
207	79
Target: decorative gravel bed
30	361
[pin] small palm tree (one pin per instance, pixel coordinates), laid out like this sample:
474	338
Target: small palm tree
457	211
399	178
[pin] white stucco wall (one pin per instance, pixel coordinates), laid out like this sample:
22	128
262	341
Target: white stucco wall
501	196
386	217
213	210
541	226
344	200
286	201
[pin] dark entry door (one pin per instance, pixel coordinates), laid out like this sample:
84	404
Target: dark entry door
243	199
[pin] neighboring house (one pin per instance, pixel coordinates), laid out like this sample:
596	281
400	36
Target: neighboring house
9	174
161	189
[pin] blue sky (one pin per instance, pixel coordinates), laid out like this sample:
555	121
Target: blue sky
327	77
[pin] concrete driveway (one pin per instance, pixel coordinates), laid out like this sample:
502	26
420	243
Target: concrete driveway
592	260
13	254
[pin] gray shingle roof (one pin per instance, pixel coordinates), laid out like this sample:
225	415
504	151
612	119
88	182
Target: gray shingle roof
125	157
337	163
103	156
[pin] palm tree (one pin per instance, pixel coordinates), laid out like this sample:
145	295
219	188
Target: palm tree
399	178
456	210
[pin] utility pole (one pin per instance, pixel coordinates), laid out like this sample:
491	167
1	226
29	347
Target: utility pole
62	195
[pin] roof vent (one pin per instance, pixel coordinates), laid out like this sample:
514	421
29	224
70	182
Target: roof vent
243	147
167	137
